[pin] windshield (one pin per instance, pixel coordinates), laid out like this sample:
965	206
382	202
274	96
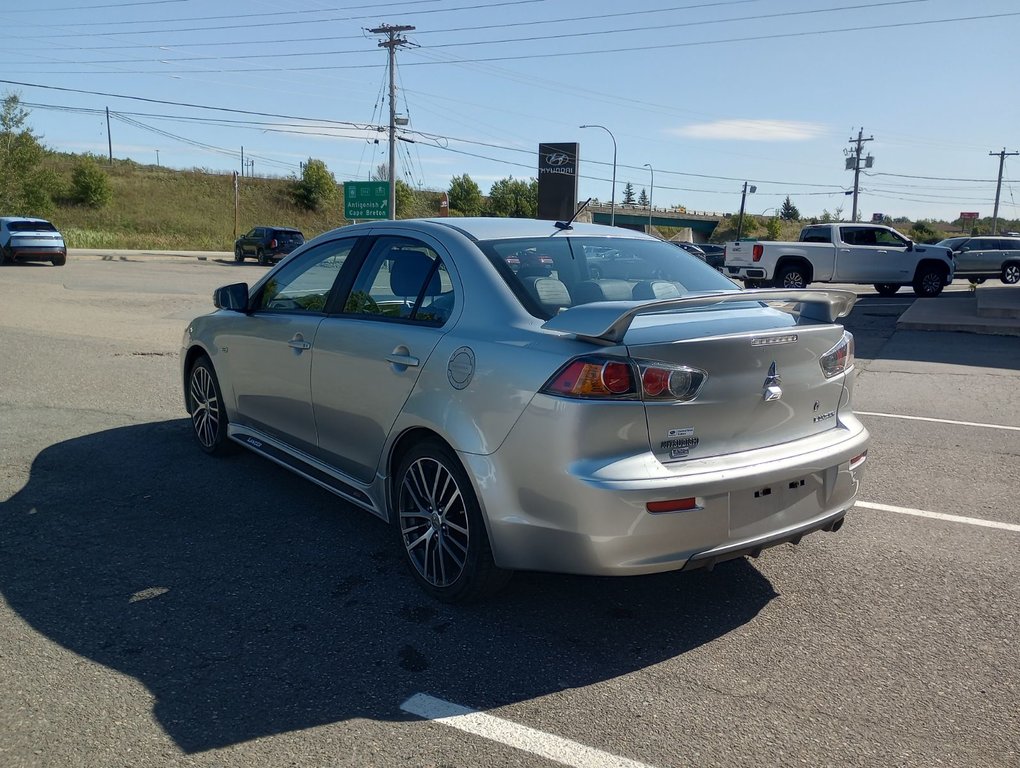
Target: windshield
553	274
952	242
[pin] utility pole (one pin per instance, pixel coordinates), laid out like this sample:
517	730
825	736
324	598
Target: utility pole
109	138
392	42
242	160
743	199
998	187
235	204
854	162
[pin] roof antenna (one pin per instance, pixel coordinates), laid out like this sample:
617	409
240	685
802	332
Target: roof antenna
566	224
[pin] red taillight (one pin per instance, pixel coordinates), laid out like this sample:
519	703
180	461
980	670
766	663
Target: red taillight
594	377
655	381
859	459
272	243
757	251
608	378
673	505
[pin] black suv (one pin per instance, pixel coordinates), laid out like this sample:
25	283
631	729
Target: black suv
267	244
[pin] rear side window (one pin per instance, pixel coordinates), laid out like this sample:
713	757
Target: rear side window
815	235
552	274
402	279
1009	245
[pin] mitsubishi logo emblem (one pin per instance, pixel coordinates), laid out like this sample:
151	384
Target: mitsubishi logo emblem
770	389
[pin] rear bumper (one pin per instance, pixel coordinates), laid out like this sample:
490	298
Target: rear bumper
745	273
576	516
36	253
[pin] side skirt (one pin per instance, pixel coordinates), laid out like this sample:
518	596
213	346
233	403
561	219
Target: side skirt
306	466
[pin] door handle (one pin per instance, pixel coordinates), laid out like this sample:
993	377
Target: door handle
298	342
406	360
885	252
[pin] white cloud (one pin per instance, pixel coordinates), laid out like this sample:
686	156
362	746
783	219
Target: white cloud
752	130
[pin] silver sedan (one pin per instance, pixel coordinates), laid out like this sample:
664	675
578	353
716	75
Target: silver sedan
522	395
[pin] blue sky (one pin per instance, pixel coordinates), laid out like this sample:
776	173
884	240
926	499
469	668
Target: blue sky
709	93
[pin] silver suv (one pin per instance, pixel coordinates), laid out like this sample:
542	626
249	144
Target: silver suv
980	258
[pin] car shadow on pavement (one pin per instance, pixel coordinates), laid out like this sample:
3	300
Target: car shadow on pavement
250	602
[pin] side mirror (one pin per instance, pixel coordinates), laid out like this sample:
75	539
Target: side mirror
233	297
910	245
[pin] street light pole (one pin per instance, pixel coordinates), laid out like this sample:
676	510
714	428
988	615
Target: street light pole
651	194
743	199
612	199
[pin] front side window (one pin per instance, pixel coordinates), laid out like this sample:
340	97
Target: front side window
884	237
402	279
303	286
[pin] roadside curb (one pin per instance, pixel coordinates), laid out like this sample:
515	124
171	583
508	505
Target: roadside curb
993	310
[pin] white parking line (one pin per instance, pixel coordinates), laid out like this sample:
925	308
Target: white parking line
940	516
940	421
520	737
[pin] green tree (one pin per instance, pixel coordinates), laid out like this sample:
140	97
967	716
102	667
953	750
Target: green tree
24	187
316	189
514	198
628	194
90	185
922	232
465	196
643	198
773	229
789	211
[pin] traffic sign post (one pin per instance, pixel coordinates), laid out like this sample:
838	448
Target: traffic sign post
366	200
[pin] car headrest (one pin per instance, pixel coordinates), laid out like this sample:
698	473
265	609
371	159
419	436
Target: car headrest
408	272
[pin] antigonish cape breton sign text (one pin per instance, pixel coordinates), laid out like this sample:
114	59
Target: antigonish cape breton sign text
366	199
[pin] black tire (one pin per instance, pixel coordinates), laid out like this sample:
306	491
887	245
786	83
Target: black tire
208	413
976	280
1011	273
886	289
929	280
264	260
238	254
5	257
440	527
59	261
791	276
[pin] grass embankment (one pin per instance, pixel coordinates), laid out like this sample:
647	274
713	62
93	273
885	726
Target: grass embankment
162	208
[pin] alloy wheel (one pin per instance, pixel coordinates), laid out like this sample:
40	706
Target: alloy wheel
931	283
434	521
205	407
1011	274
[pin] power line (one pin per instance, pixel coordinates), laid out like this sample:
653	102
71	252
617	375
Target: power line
418	33
275	24
544	37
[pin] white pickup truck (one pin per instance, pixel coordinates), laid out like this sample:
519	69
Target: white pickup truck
843	253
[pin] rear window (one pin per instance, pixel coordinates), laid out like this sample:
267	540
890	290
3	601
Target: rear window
30	226
552	274
288	234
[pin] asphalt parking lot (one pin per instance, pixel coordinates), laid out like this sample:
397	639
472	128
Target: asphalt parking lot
162	608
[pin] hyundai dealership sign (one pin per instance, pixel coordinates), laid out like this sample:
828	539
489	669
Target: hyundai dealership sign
557	181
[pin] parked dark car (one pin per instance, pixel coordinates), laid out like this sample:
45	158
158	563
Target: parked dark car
715	255
25	239
691	248
267	244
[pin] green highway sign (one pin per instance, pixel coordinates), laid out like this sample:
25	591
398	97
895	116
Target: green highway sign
366	199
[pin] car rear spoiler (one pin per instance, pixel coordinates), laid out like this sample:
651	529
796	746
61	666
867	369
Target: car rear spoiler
609	320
